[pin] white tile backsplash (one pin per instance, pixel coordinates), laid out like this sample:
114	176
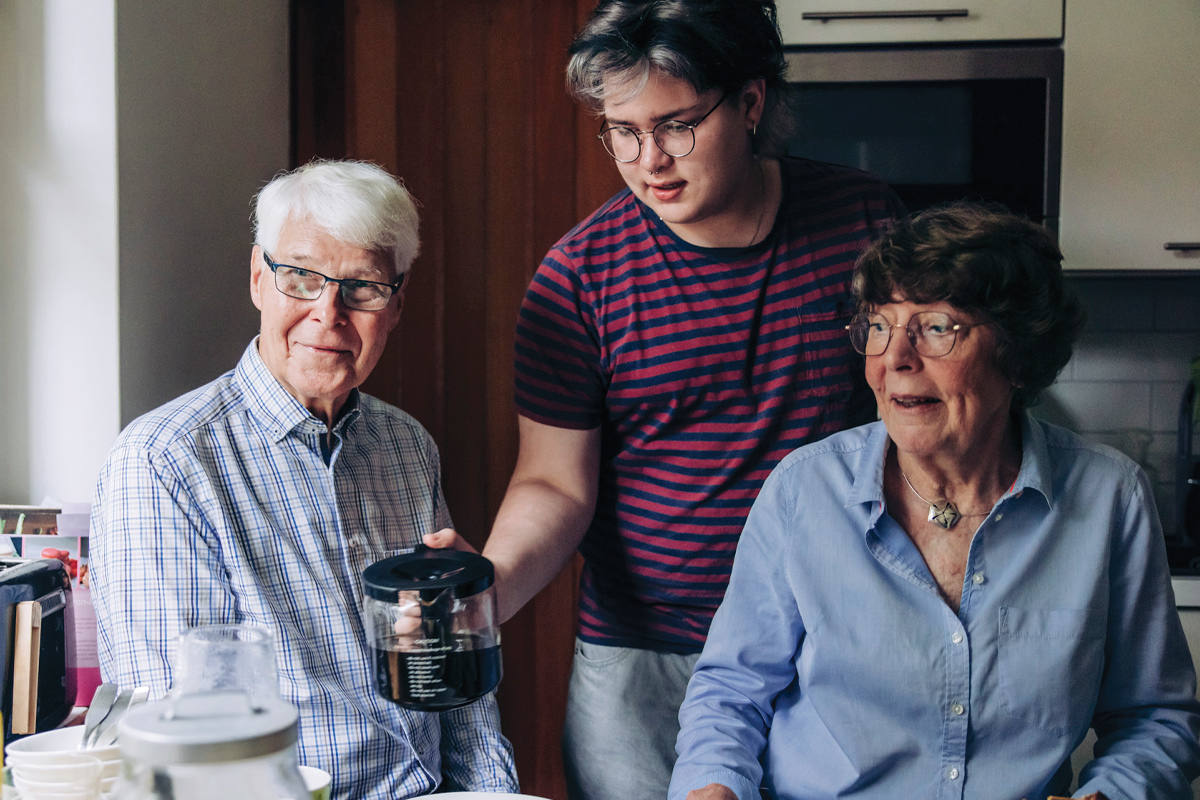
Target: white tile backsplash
1134	355
1098	406
1123	386
1164	406
1116	304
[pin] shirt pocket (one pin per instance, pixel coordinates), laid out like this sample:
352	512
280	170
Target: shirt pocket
1050	666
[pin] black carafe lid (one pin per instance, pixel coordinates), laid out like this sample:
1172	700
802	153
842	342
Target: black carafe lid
428	569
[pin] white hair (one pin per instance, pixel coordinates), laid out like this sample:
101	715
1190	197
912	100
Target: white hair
355	202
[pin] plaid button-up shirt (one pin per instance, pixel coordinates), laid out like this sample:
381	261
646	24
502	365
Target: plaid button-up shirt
222	507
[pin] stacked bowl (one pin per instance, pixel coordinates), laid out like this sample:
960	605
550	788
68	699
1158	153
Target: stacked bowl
51	765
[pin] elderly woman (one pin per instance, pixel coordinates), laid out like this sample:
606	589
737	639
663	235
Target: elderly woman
941	603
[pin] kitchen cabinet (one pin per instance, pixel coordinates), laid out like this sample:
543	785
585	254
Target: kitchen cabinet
820	22
1131	135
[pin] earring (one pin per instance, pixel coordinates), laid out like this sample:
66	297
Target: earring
754	129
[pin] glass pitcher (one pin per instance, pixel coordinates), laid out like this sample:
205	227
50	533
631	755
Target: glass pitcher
431	618
210	745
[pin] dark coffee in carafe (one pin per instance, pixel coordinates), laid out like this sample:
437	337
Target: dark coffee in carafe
432	621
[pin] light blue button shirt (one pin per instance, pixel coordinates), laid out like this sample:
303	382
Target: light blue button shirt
834	669
223	506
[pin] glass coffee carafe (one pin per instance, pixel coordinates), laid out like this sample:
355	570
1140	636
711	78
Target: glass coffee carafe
431	617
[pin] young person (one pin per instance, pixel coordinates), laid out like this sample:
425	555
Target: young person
671	349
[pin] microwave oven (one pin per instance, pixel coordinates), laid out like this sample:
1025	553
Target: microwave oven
938	123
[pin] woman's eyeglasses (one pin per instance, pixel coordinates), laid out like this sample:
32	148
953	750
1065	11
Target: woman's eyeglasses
931	333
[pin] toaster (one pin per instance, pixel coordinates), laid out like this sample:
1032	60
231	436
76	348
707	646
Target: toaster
37	634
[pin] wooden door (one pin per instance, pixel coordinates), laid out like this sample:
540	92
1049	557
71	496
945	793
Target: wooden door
465	101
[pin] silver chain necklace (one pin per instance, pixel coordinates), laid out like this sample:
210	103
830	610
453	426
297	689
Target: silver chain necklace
946	515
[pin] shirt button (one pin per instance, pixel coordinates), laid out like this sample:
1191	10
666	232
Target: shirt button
977	578
958	709
956	637
952	773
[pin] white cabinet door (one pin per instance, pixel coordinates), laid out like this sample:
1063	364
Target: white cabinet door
1131	134
807	22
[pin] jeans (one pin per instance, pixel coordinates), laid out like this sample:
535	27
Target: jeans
622	721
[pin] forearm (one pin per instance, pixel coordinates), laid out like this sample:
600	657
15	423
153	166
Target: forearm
546	510
538	528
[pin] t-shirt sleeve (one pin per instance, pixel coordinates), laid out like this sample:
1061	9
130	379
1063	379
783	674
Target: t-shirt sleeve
559	378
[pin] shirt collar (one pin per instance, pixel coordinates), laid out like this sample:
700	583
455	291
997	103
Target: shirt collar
1034	473
1035	461
274	406
868	474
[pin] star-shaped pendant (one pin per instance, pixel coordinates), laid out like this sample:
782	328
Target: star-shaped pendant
945	515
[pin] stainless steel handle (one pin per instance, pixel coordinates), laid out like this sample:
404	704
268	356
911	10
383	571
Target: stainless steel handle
1182	246
934	13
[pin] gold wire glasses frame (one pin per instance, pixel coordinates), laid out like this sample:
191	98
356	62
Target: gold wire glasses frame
308	284
675	138
931	333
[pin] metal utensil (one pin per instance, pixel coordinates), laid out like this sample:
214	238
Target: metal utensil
102	702
106	733
140	695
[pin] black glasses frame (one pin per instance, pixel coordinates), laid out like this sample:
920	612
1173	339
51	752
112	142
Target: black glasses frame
343	284
691	126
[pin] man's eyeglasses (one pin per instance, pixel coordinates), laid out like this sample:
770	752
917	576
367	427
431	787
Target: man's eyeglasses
931	333
307	284
673	137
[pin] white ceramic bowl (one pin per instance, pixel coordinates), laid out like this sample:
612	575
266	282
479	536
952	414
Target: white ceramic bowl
74	768
33	789
43	747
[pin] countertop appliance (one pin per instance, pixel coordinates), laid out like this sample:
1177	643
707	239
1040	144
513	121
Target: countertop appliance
945	101
37	635
938	124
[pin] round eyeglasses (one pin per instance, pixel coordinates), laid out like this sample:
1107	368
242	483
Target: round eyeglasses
931	333
676	139
307	284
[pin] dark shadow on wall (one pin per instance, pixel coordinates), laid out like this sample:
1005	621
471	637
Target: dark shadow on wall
202	125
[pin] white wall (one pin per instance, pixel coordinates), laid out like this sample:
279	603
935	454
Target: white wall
132	138
58	246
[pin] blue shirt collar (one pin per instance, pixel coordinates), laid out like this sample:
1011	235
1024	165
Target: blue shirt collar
274	406
1034	473
1035	461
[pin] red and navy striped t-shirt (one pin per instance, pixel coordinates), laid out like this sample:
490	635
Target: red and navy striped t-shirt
703	368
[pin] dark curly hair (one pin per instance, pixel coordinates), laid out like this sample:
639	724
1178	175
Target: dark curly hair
708	43
991	263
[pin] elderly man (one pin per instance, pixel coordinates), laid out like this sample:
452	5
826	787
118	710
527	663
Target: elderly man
261	497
